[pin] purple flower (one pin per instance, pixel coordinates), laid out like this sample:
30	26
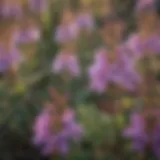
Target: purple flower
153	44
69	116
135	46
136	126
68	63
41	129
126	74
97	79
139	47
120	72
86	21
142	136
136	132
38	6
51	142
42	124
8	10
9	58
145	5
98	72
56	144
73	130
66	33
156	142
29	35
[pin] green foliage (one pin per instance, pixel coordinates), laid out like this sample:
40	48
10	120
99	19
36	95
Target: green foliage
99	127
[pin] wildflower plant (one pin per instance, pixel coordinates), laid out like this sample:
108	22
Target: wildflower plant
90	102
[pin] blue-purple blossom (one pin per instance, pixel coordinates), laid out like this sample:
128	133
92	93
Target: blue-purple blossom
66	63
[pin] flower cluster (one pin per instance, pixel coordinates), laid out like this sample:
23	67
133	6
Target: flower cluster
115	69
56	127
119	74
13	32
144	131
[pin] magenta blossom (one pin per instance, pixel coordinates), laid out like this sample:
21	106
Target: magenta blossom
66	63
